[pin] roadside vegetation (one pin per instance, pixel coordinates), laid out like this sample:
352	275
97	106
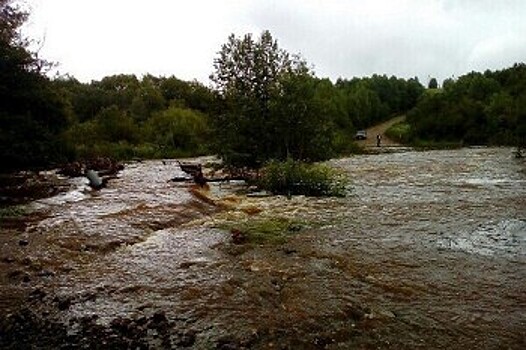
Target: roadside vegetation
476	109
399	132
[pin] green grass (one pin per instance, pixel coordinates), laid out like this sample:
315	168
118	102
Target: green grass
275	230
297	178
423	145
12	211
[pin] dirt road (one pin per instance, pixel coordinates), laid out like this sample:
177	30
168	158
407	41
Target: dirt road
380	129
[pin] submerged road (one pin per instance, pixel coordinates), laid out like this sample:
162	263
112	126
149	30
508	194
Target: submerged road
427	251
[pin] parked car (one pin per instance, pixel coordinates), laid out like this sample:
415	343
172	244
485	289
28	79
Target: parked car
360	135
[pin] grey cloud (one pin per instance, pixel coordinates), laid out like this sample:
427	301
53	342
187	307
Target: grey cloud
438	38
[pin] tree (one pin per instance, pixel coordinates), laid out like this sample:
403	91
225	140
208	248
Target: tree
433	84
475	109
364	105
179	129
302	119
247	77
447	83
32	113
377	98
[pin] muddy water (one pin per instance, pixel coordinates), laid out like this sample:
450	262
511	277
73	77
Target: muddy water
427	251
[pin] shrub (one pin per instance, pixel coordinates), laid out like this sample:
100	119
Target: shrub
264	230
297	178
400	132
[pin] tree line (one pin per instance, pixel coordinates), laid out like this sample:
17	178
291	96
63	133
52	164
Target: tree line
264	104
476	109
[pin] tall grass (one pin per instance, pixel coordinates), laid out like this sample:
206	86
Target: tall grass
297	178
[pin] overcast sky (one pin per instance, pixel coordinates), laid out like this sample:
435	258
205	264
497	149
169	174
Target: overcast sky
91	39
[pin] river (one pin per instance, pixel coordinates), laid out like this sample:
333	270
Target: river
428	250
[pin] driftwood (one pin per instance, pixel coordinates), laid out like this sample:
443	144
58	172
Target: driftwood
195	170
190	168
103	165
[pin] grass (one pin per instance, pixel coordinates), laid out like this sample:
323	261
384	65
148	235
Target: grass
297	178
13	211
276	230
424	145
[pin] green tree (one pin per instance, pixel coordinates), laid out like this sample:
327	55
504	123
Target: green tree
179	130
302	119
475	109
32	114
364	105
147	100
433	84
247	76
115	125
377	98
447	83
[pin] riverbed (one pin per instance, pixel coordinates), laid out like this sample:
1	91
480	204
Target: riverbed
428	250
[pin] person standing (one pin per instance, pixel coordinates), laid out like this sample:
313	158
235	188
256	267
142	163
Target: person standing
378	140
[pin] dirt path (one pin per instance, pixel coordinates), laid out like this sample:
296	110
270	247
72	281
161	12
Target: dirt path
381	129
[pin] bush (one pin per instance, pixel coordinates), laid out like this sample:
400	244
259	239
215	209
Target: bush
297	178
400	132
265	230
424	145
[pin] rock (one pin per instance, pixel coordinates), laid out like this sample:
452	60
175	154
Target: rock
289	251
63	303
14	274
8	259
186	339
38	294
141	321
386	314
74	169
186	264
46	273
355	312
121	324
238	236
158	318
90	297
103	165
190	168
26	277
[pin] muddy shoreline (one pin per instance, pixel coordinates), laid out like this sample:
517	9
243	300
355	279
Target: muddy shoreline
428	251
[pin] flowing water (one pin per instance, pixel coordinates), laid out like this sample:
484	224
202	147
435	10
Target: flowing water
427	251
